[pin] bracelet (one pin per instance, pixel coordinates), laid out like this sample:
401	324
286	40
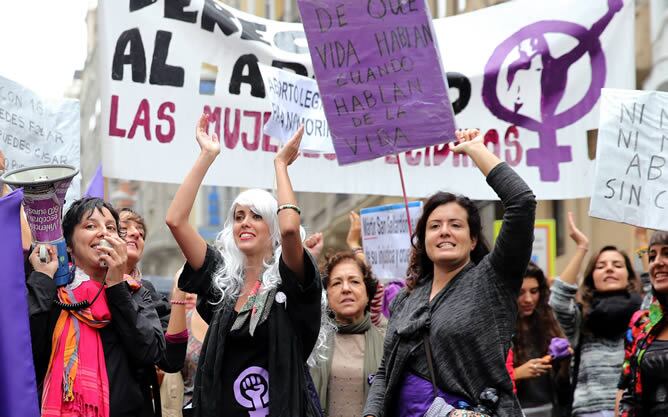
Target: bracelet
357	250
179	302
289	206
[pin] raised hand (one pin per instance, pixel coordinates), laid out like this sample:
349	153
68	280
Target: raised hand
466	139
580	239
209	144
290	151
354	238
314	244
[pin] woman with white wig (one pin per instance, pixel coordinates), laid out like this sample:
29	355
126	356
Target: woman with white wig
258	290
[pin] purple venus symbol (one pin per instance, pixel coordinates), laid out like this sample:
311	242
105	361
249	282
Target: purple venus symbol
553	82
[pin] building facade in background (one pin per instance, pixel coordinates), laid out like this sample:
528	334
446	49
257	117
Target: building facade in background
329	212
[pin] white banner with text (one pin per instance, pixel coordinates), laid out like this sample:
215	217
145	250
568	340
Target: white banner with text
530	81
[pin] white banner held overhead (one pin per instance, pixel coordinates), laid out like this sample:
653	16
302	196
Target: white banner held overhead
531	84
36	131
386	239
631	173
295	100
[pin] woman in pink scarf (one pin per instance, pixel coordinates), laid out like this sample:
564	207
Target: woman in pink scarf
103	334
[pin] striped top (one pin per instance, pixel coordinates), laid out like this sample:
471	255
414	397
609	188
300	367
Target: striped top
600	358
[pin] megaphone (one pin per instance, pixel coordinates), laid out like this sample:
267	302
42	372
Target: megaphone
44	189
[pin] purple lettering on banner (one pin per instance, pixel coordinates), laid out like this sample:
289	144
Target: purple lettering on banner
380	76
553	83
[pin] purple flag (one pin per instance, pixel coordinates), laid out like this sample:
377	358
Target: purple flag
380	76
96	185
18	390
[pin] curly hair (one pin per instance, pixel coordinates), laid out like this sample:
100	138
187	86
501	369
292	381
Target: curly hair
419	264
370	282
538	329
588	288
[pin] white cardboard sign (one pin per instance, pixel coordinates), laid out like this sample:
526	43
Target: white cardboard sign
631	183
386	240
35	131
295	100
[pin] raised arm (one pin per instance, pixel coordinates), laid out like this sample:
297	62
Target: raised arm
570	274
191	243
289	219
470	142
354	238
512	250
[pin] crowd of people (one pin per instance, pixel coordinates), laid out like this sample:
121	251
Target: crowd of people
255	326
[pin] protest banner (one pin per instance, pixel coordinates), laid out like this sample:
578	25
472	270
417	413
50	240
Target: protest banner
35	131
544	250
530	81
386	240
295	100
631	152
18	388
370	59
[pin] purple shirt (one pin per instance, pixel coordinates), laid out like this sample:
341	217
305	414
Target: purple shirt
417	394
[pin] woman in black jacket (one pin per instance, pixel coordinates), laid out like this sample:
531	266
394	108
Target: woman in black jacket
462	298
102	333
258	290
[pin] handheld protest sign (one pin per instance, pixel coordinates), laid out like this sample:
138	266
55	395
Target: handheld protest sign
38	131
385	238
380	75
295	101
631	185
44	189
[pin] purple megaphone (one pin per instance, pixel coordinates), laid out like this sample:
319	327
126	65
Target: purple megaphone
44	189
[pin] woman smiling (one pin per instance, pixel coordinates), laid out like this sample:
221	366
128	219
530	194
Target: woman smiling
102	365
258	290
450	331
596	326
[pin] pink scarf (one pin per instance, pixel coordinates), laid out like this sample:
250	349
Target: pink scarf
76	383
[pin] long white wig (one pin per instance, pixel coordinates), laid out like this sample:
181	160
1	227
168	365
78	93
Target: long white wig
229	279
323	346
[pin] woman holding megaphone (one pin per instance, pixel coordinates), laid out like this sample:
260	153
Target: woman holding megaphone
102	331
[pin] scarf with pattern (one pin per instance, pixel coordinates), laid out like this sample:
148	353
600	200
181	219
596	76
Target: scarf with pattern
638	338
76	382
